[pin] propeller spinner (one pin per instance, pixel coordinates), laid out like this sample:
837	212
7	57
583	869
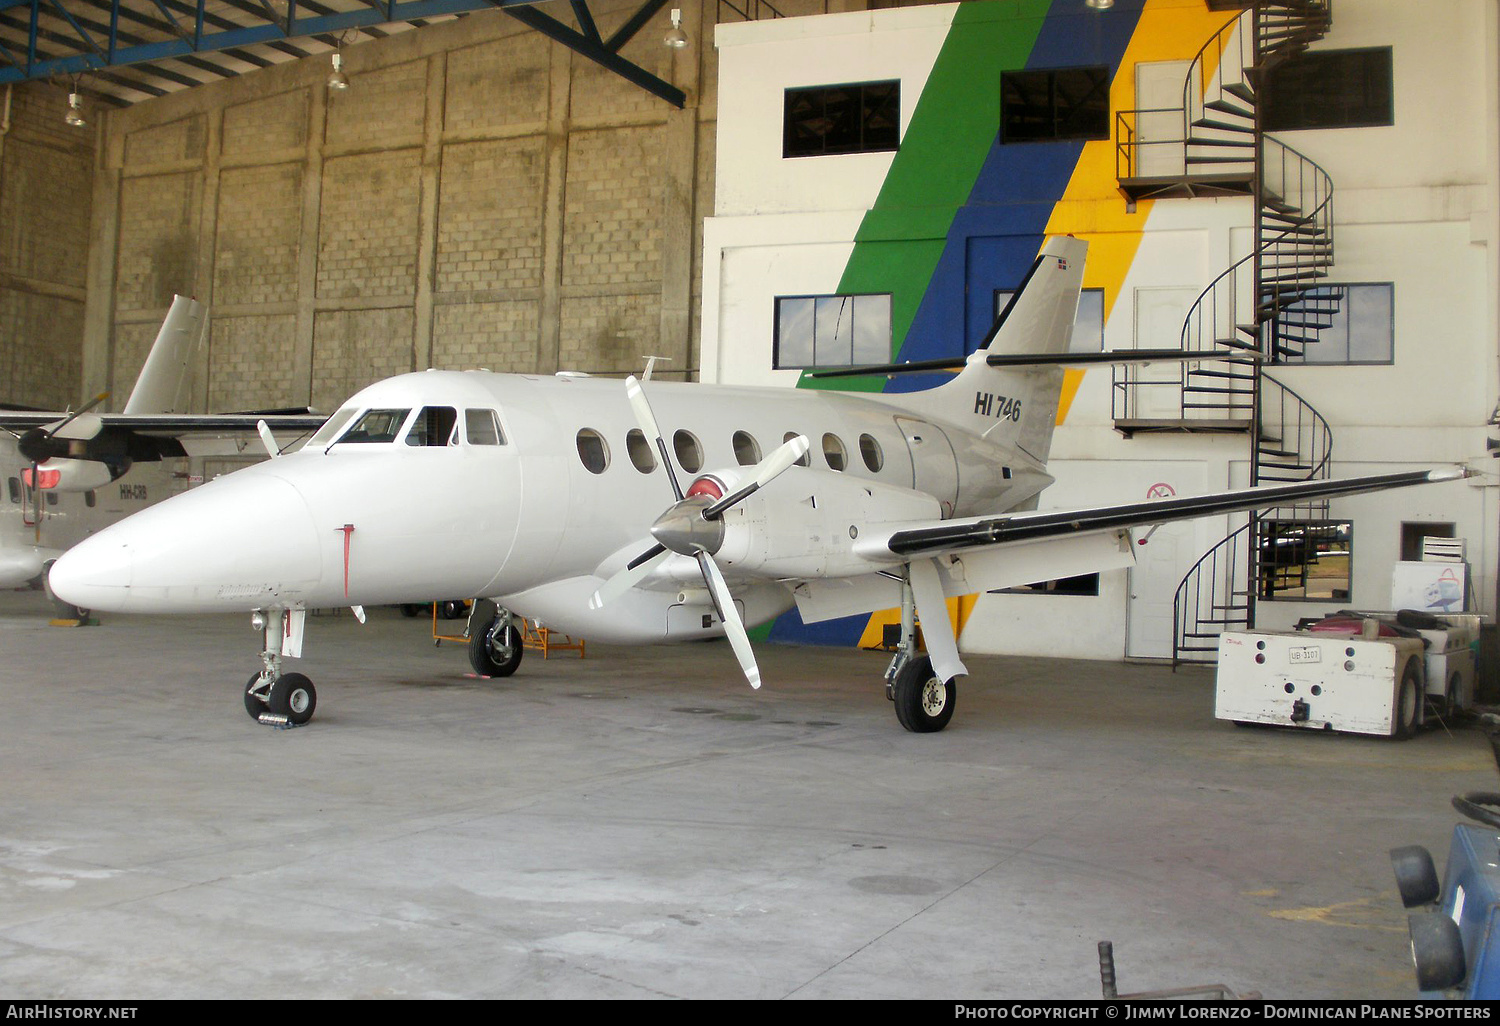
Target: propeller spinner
693	526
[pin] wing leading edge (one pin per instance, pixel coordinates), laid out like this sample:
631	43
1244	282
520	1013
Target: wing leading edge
974	532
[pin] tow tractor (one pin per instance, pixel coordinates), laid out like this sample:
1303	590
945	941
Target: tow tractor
1357	672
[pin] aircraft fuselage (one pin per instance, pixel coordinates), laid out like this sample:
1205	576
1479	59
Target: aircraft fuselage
527	521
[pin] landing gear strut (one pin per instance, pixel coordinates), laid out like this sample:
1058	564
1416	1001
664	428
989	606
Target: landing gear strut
272	696
924	700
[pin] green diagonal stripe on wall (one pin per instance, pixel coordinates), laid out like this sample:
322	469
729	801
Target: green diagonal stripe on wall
902	237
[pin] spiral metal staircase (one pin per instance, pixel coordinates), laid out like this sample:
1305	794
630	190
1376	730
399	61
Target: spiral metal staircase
1265	309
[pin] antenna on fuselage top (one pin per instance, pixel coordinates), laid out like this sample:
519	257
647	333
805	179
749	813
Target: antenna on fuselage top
651	363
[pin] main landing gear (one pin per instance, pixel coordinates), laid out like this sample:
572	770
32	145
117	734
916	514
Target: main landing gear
271	696
924	700
494	640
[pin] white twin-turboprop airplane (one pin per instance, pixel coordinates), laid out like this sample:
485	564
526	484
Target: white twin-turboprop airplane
561	499
69	475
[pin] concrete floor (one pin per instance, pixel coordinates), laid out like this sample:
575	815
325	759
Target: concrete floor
641	824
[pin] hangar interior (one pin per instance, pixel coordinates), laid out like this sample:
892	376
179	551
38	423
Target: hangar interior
548	187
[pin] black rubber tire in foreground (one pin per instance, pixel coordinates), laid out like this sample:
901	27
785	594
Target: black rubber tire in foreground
1437	950
1416	875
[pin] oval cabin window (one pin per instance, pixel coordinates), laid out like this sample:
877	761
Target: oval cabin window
689	451
746	449
833	451
805	461
641	456
592	451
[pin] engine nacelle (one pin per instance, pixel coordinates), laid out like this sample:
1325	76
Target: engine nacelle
61	474
805	523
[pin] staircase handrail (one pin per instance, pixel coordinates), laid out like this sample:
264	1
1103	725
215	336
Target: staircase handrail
1323	464
1221	37
1190	581
1321	212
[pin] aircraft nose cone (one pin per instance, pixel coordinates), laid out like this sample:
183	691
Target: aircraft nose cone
240	542
92	573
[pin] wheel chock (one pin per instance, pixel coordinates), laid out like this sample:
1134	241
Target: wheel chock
277	721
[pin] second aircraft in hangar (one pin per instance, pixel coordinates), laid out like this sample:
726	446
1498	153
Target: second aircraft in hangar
559	498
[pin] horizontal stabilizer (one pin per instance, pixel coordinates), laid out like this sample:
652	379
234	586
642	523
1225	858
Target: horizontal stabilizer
1116	356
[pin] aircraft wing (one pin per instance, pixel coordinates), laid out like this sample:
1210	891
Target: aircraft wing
949	536
171	423
153	436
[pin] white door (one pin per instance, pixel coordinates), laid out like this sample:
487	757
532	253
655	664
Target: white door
1159	313
1162	562
1161	124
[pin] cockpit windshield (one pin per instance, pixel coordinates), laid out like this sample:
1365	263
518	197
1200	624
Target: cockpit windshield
376	426
332	426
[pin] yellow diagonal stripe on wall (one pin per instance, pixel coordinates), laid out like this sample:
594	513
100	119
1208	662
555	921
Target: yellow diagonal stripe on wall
1092	206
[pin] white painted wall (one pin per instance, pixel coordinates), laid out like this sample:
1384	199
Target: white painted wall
1415	204
760	60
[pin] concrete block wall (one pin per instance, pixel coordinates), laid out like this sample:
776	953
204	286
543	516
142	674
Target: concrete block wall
46	176
480	197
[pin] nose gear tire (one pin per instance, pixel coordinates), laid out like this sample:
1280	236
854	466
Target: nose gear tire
293	696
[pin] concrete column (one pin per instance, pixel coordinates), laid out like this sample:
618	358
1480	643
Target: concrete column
104	244
427	214
307	246
679	180
208	220
554	200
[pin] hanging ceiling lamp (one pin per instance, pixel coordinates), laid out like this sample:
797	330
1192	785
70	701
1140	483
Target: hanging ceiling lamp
74	116
337	80
675	38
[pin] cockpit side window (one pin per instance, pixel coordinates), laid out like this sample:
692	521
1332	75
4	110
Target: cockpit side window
332	426
14	484
434	425
482	427
376	426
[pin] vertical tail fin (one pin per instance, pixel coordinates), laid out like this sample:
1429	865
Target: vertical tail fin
162	386
1017	404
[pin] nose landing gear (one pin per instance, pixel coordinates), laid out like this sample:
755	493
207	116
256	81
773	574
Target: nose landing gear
271	696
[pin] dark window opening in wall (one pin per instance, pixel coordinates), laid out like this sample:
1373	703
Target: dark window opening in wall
1083	584
1329	89
1088	324
1342	324
1064	103
859	118
832	331
1306	560
1413	533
